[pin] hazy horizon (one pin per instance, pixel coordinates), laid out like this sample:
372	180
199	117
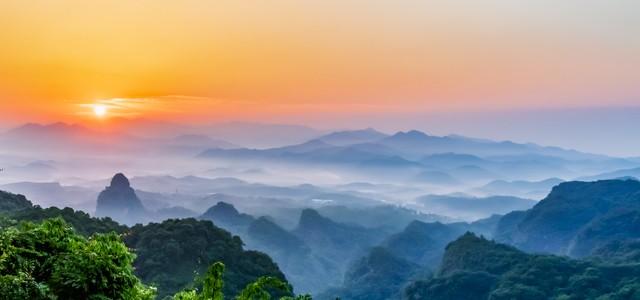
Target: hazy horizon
610	131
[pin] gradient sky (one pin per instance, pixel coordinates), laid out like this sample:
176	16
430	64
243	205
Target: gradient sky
203	61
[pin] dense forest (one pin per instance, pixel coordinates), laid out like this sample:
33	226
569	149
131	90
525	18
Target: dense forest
476	268
65	254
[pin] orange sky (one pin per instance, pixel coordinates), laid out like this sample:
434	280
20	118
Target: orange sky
265	60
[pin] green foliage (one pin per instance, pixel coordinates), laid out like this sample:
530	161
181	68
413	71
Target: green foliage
170	252
262	289
17	208
50	261
10	203
477	254
82	222
517	275
618	252
213	282
457	285
422	243
212	287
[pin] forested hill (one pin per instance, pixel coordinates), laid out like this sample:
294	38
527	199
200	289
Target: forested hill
18	208
577	218
476	268
168	254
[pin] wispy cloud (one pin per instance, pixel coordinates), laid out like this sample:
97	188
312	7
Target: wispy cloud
131	107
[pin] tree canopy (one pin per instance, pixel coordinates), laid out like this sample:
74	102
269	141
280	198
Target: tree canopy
51	261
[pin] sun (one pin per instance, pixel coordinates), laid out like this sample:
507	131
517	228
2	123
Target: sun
99	110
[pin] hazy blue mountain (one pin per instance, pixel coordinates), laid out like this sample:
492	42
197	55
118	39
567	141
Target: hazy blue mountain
52	193
388	217
318	153
377	276
452	160
577	216
410	255
618	174
308	272
120	202
337	242
422	243
418	143
36	170
493	167
351	137
269	235
508	225
520	188
469	208
310	146
414	155
228	217
332	236
617	225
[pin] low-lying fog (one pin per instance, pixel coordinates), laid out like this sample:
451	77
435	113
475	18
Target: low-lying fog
456	177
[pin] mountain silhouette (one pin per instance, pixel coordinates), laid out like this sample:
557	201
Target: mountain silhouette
120	202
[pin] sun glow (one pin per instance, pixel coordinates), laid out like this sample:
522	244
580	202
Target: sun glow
100	110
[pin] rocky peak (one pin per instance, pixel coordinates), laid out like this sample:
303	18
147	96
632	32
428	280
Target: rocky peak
120	202
120	181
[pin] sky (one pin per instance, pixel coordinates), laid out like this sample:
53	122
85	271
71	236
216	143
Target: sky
313	61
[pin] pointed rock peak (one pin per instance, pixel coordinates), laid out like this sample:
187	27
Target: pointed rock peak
120	181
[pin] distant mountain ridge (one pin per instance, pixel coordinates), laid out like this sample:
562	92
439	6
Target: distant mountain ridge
416	143
351	137
424	159
74	137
